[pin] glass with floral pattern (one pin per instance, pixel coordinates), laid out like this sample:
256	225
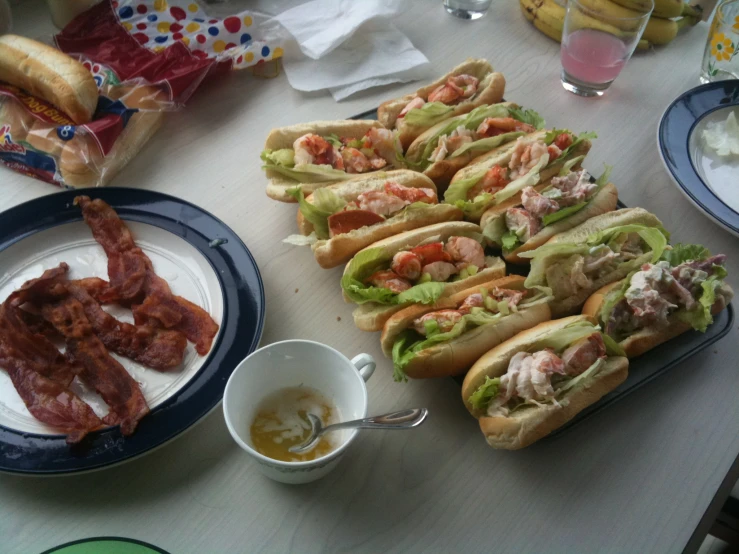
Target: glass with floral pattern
721	58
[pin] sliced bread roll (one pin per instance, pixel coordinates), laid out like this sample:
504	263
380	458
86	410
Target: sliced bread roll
605	200
388	111
456	356
371	316
284	137
643	340
523	427
49	74
351	189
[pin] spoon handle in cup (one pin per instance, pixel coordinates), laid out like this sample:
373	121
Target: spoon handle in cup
403	419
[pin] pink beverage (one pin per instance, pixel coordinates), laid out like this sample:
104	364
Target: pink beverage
593	56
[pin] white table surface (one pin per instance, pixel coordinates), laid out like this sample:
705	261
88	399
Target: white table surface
637	477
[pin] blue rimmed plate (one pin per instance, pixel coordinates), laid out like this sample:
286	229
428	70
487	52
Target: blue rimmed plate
201	259
707	180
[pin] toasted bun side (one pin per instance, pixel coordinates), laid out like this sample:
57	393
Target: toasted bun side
595	301
456	356
340	249
49	74
278	186
604	201
400	321
573	304
491	94
604	221
351	189
284	137
528	425
82	164
389	110
441	173
495	362
372	317
643	340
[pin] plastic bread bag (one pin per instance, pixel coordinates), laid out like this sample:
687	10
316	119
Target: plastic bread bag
147	57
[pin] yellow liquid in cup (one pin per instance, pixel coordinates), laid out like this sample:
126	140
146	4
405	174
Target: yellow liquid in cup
282	422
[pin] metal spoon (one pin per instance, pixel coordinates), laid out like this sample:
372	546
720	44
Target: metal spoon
404	419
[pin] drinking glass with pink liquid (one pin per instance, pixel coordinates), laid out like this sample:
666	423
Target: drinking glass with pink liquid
596	46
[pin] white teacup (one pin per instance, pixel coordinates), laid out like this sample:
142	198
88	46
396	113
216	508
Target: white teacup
293	363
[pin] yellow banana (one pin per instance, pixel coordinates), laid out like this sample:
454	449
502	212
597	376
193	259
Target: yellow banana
609	10
548	17
662	31
662	8
675	8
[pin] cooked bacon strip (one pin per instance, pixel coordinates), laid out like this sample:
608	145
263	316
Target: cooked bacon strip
134	282
95	286
98	369
35	349
150	346
41	374
47	400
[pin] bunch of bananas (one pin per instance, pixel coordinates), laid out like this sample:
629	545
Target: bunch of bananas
668	17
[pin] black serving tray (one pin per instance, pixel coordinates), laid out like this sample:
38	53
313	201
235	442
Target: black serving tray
646	367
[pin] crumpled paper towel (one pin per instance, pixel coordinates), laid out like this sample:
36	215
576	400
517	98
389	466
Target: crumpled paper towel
348	45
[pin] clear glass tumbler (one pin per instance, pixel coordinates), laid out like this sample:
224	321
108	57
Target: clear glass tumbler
596	46
721	57
467	9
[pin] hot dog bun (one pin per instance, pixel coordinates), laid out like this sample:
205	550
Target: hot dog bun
579	235
490	91
645	339
502	156
82	163
441	172
49	74
605	200
340	248
372	316
284	137
523	427
456	356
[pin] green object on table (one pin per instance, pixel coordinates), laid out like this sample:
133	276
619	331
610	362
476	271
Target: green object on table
106	545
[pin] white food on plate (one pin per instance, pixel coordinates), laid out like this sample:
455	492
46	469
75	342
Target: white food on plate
723	136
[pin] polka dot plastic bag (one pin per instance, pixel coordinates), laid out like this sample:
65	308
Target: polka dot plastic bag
147	57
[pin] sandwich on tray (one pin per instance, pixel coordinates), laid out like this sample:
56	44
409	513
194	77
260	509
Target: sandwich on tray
446	338
604	249
416	267
498	177
321	153
450	145
662	300
467	86
532	384
567	201
340	220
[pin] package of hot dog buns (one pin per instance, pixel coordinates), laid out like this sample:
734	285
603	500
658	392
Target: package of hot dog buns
75	113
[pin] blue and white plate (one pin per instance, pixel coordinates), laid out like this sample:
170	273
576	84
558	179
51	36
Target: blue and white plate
201	259
707	180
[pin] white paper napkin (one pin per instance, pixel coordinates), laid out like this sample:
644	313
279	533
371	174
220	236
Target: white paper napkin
348	45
